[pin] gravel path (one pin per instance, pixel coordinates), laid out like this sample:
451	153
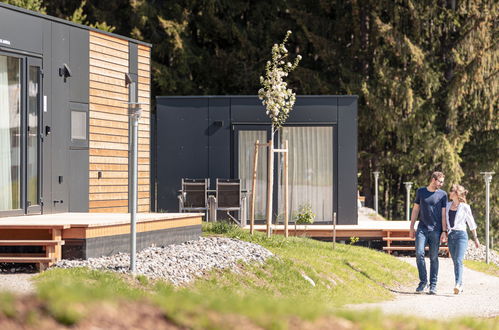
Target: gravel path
16	283
480	296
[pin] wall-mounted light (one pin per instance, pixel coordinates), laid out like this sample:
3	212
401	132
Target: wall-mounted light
65	71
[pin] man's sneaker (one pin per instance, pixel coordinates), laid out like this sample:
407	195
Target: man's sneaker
458	289
433	290
421	287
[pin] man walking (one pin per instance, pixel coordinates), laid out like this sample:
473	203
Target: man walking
430	203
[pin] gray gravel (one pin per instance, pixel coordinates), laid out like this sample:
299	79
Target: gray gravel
479	299
180	263
16	283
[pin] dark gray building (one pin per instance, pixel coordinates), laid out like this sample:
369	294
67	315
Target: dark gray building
64	115
213	137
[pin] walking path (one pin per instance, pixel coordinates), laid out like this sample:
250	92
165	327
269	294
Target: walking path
480	296
16	282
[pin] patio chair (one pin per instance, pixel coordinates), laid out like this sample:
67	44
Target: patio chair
229	197
194	195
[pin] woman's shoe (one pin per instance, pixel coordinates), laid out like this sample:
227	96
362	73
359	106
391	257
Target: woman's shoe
458	289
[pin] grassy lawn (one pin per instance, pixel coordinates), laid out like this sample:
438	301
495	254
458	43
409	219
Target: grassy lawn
481	266
274	295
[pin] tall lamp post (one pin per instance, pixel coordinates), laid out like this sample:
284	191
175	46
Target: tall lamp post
134	112
408	186
376	177
488	178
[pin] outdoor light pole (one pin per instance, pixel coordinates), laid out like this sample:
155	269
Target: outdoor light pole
134	111
408	186
488	178
376	176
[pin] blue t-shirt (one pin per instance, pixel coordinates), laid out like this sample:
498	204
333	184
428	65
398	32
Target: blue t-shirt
430	207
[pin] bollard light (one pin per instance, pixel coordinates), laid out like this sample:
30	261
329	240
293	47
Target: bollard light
376	176
488	178
408	186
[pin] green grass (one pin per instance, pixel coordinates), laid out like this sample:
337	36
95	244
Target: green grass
69	293
273	295
490	269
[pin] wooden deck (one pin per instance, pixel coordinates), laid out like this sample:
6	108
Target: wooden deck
84	231
394	234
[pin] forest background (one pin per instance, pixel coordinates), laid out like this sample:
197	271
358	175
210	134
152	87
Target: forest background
426	73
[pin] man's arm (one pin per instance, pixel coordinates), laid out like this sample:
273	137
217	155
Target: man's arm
414	217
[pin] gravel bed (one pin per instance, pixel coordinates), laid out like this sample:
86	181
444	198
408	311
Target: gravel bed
180	263
478	254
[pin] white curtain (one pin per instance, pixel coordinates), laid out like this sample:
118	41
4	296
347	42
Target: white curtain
5	160
310	171
246	147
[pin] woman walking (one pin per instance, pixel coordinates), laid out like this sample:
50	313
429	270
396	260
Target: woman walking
458	215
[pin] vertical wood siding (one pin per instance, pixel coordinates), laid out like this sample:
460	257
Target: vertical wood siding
108	126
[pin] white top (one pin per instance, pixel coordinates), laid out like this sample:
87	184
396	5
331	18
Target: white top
463	216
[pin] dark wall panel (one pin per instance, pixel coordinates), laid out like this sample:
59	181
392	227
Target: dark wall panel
314	109
47	118
347	161
20	31
248	109
182	146
79	64
219	139
60	119
78	185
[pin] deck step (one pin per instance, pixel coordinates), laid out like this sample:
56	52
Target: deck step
27	259
409	248
398	239
30	242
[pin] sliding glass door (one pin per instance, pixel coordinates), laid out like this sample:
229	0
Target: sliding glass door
20	90
310	171
10	137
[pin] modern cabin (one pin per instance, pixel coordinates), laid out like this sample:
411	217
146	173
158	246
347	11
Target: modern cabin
65	91
214	136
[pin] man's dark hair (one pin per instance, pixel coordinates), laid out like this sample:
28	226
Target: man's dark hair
437	175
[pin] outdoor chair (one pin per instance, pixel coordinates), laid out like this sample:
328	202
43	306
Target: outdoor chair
194	195
229	197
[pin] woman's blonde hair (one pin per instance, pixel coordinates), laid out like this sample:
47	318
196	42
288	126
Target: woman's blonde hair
460	192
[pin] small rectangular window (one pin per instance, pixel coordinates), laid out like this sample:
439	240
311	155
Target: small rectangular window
78	125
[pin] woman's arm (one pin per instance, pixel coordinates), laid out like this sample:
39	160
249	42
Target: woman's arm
475	238
472	224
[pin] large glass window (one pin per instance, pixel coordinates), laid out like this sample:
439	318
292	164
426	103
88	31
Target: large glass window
310	172
10	129
246	147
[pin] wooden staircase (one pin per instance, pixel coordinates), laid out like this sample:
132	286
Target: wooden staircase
47	237
390	236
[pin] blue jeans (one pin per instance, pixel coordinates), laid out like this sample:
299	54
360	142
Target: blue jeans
458	243
432	238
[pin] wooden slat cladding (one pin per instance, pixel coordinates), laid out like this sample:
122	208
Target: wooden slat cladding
108	125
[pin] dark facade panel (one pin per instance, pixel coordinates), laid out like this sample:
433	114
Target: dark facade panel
79	65
182	149
47	118
248	109
60	119
133	58
78	184
219	138
347	161
21	32
314	110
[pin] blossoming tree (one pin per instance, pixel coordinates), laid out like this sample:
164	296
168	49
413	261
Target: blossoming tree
278	100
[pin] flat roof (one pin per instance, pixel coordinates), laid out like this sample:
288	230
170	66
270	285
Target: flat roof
243	96
63	21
